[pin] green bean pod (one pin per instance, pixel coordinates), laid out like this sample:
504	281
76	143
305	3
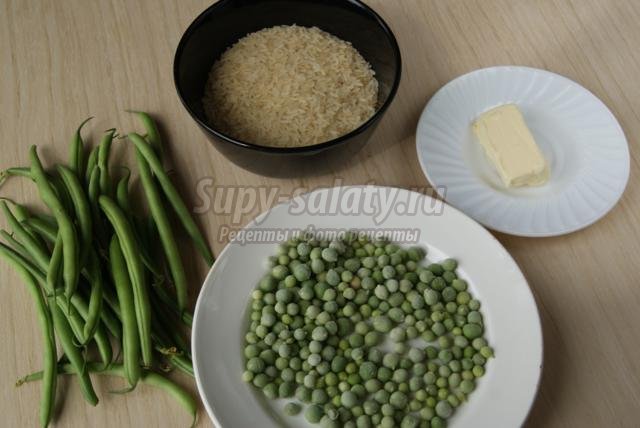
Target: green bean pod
163	322
111	320
94	275
16	246
21	213
130	338
100	337
49	373
81	207
153	134
50	232
122	193
173	196
35	249
149	378
55	264
122	197
103	162
164	230
71	270
74	318
18	171
74	355
76	150
135	267
179	394
38	225
185	316
92	161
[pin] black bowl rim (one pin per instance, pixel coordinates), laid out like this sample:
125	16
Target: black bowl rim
303	149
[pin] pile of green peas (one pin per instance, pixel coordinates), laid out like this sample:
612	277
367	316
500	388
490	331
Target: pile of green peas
364	334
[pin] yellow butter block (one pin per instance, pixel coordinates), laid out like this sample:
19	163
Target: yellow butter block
509	145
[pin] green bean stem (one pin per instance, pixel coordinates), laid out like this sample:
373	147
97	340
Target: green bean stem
173	196
130	338
135	267
164	230
70	271
49	358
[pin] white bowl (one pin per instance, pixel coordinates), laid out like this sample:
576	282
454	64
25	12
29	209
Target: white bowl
578	135
503	396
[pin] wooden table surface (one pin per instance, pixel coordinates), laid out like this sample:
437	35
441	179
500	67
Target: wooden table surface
63	61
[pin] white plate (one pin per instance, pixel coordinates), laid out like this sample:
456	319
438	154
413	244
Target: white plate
579	136
503	396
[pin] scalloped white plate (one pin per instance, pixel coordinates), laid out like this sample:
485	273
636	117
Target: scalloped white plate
580	138
503	396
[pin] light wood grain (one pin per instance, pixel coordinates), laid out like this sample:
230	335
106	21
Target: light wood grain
63	61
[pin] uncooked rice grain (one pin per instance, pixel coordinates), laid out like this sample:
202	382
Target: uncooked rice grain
290	86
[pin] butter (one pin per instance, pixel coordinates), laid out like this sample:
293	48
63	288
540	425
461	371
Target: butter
509	145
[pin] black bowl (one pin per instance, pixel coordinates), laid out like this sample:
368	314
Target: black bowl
223	23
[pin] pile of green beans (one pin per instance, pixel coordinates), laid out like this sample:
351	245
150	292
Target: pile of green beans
101	272
364	334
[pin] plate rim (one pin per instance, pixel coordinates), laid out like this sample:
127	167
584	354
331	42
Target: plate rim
515	232
207	283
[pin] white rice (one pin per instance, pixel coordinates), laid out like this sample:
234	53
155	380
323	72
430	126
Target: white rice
290	86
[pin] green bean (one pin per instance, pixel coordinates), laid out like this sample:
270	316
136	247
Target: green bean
74	355
34	248
100	336
164	322
94	275
49	373
70	271
149	378
103	162
122	192
92	161
74	319
122	197
182	363
153	135
130	338
43	228
158	381
76	155
164	230
81	207
16	172
131	252
185	316
110	319
104	345
55	264
173	196
21	213
15	245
